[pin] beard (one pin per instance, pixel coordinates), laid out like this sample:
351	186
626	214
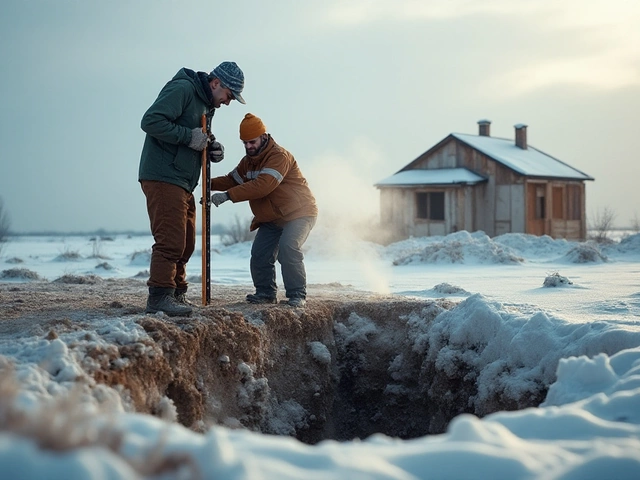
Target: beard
253	151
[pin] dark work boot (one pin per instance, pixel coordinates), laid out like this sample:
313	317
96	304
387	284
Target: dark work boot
163	300
297	302
260	298
181	297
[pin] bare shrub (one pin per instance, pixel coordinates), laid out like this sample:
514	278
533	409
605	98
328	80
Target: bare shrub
238	232
585	253
68	256
5	224
635	223
97	250
601	225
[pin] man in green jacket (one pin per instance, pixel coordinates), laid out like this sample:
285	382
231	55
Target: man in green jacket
169	171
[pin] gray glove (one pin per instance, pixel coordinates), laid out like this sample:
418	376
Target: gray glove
215	152
219	198
199	139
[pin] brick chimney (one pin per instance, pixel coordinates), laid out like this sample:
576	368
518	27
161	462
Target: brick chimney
521	136
484	128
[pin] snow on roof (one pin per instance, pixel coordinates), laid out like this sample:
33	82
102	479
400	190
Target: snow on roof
530	162
442	176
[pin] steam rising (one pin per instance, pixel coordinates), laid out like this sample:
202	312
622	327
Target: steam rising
343	185
348	205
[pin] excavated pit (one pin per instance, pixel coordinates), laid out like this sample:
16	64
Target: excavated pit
346	366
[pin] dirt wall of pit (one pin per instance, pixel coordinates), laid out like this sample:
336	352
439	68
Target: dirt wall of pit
331	371
346	366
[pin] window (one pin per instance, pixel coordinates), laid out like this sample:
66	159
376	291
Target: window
541	210
430	205
558	203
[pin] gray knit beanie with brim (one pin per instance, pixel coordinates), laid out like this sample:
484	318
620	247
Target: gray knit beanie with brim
231	77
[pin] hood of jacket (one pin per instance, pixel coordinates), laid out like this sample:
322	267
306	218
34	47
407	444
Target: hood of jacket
200	83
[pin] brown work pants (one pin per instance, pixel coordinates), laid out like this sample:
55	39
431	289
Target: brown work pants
172	214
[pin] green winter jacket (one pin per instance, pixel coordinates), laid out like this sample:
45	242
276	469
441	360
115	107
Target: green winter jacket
178	109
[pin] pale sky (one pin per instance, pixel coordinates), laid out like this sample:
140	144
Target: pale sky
354	89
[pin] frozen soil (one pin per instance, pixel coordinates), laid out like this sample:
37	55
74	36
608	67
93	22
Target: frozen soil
345	366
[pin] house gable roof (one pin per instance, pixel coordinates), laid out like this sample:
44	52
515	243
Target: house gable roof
530	162
436	177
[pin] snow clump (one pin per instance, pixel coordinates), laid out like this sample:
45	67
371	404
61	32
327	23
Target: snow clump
556	280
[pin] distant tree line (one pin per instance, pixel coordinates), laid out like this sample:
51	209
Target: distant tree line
216	229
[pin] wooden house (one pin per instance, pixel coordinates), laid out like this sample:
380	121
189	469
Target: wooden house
480	182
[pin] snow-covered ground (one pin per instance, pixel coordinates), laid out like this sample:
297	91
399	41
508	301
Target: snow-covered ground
528	305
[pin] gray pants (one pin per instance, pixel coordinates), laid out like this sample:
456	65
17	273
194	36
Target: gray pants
284	244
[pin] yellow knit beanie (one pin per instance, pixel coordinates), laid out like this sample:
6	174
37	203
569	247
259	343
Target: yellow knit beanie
251	127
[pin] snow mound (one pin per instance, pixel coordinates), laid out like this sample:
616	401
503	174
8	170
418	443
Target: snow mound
79	279
141	257
462	247
19	274
14	260
68	256
588	252
629	244
532	245
441	290
448	289
105	266
596	380
145	274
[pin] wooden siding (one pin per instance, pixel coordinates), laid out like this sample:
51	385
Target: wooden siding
559	209
518	209
398	212
536	208
499	202
394	211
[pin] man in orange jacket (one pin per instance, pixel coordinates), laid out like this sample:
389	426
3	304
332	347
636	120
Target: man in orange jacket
284	212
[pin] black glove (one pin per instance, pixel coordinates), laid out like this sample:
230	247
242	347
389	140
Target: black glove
215	152
219	198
